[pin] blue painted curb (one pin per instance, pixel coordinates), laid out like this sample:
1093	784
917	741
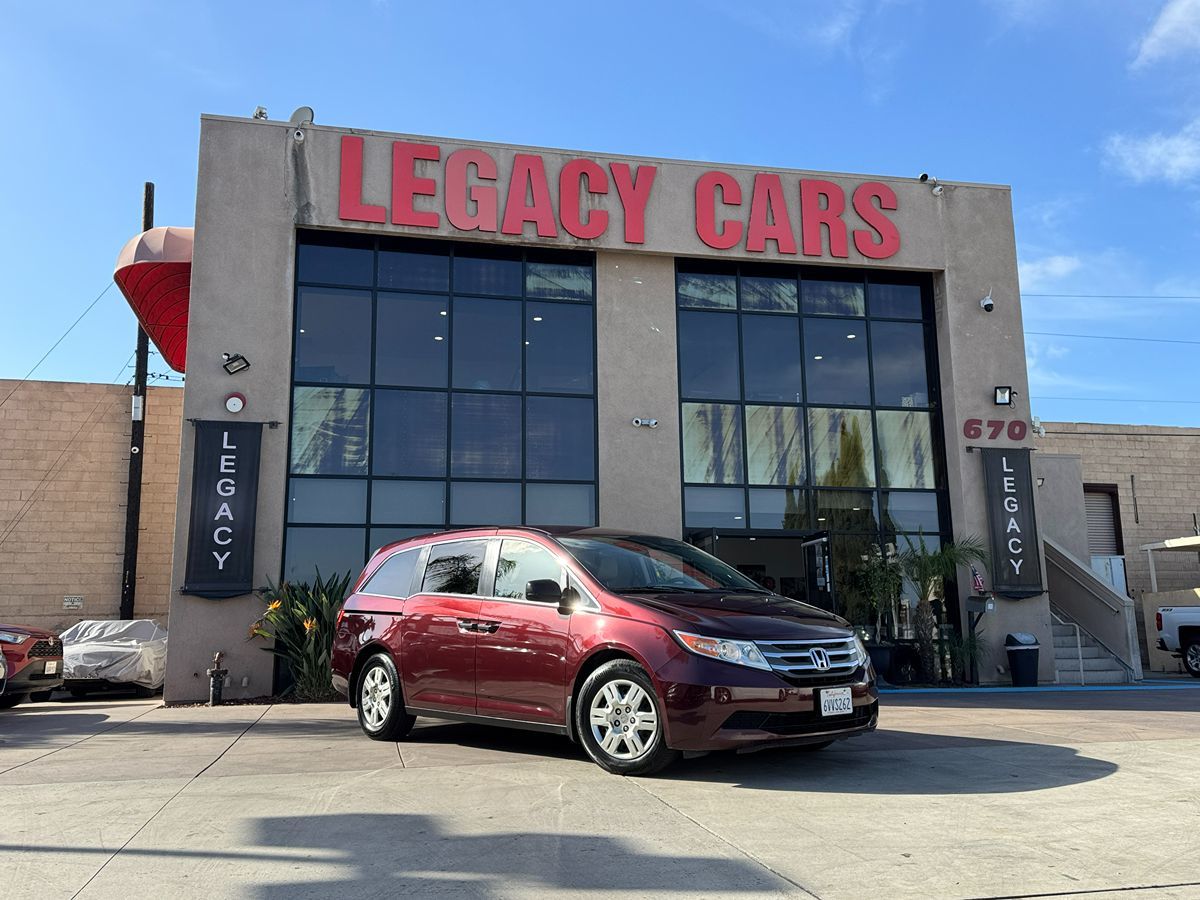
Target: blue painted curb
1051	688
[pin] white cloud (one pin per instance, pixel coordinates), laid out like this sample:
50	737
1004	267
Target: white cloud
827	25
1174	158
1175	32
1039	273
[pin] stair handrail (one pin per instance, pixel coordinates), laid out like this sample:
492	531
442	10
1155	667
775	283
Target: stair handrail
1133	676
1059	620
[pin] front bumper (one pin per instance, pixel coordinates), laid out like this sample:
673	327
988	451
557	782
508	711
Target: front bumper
711	705
32	677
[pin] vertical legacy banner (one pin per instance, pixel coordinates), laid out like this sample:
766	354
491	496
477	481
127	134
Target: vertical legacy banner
1016	550
220	560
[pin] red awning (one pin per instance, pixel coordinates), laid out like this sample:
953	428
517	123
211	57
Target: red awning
154	272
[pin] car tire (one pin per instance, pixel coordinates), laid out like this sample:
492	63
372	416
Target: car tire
381	712
8	701
619	720
1191	658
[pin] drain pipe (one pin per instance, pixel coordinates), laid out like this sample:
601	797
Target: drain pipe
216	679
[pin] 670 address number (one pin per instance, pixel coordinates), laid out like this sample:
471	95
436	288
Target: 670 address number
973	429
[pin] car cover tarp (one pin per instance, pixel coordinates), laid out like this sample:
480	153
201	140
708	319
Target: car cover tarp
124	652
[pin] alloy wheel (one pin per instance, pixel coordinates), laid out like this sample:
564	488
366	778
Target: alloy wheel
623	719
376	697
1193	657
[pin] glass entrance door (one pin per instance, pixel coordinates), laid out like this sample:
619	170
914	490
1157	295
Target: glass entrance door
797	566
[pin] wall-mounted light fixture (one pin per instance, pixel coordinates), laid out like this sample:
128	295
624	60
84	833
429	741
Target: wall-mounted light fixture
1005	395
234	363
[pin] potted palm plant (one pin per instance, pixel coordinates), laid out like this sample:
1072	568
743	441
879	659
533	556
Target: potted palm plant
927	571
879	580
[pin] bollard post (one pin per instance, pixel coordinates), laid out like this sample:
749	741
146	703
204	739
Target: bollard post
216	680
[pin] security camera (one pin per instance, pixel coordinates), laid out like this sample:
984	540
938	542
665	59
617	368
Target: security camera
987	304
927	178
298	135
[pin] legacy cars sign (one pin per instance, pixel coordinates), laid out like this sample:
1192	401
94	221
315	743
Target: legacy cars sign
220	560
811	217
1016	556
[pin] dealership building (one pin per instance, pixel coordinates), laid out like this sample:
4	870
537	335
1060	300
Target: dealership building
387	334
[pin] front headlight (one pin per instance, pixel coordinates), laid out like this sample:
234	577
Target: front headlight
9	637
740	653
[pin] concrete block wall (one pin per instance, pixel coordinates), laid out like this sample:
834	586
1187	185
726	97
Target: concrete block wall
1165	463
64	458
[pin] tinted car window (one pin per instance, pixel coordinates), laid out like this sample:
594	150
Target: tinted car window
394	577
454	568
522	562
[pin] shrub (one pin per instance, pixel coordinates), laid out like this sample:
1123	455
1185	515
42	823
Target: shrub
300	619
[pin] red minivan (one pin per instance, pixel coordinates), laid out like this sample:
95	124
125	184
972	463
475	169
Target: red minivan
639	648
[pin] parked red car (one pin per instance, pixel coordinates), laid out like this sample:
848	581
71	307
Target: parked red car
640	648
34	659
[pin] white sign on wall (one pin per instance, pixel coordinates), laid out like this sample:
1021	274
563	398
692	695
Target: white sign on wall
72	603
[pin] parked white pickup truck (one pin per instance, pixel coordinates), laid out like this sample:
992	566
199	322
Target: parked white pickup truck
1179	634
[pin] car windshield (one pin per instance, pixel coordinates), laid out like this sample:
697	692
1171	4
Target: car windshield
632	563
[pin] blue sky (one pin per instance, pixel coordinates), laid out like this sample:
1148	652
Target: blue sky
1090	109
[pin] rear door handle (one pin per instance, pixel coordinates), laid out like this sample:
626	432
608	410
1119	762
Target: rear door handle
466	626
487	627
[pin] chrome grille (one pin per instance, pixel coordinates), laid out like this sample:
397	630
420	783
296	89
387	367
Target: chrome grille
796	659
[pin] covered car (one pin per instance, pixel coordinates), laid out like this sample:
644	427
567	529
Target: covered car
132	652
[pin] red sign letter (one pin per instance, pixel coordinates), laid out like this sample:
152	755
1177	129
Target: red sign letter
457	192
405	184
768	200
350	205
529	176
813	216
568	199
635	194
706	213
889	236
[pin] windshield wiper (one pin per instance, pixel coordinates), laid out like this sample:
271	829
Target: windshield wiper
660	588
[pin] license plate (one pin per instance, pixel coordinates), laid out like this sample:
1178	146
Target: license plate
52	667
837	702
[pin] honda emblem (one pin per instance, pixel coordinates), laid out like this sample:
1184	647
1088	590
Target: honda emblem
820	658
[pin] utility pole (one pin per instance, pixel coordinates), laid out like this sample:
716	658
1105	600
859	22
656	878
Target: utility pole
137	435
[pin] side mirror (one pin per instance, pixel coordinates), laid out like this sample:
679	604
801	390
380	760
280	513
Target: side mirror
543	590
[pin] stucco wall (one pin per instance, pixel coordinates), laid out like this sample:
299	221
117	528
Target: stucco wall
1060	501
64	468
257	183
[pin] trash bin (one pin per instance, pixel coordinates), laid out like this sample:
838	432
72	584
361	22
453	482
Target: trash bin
1023	658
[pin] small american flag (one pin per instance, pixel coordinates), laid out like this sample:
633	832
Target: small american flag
976	580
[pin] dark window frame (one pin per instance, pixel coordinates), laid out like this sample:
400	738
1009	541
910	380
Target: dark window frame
450	249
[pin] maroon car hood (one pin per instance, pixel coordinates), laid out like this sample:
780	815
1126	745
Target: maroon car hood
753	616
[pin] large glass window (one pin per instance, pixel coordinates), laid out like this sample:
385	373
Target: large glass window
436	385
808	403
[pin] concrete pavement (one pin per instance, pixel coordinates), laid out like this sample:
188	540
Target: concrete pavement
959	795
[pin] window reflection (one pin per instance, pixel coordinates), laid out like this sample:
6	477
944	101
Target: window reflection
521	562
895	301
554	281
842	443
847	511
905	449
771	359
454	568
487	271
714	507
486	436
410	433
712	443
769	294
329	431
772	509
702	290
774	445
833	298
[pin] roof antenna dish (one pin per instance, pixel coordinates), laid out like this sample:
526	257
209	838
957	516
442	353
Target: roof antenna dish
302	116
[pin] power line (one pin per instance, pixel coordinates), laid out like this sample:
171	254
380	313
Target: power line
1111	337
1117	296
1115	399
56	343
